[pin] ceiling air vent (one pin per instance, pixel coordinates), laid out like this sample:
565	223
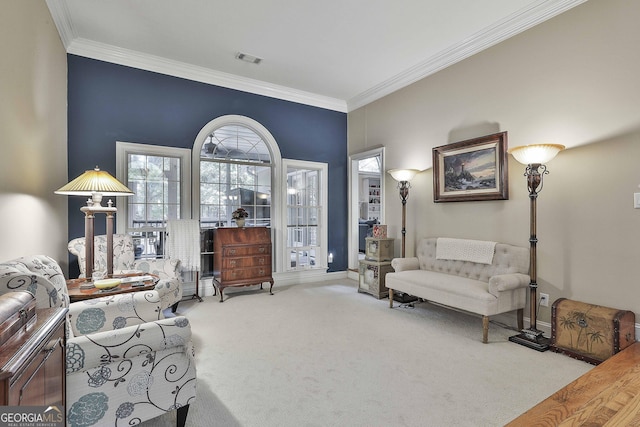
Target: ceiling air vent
248	58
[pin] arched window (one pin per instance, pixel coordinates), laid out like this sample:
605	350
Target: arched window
235	164
235	172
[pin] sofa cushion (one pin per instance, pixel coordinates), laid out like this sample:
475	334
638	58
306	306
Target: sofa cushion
449	283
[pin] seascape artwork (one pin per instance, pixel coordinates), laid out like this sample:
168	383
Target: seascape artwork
473	170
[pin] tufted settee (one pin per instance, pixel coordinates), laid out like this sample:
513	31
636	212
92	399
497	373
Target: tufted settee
486	285
125	362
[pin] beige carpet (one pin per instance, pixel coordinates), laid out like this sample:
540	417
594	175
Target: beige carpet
325	355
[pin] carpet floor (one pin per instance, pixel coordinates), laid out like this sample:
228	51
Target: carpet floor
323	354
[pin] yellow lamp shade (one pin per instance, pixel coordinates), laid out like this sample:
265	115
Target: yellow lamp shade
95	181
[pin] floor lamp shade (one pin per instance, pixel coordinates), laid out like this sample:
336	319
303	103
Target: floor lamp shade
534	157
95	184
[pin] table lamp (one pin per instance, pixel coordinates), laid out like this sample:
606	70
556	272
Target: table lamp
96	184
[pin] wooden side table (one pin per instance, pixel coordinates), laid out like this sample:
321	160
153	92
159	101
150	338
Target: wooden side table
32	362
76	293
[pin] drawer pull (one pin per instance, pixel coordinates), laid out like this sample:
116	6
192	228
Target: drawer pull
262	249
232	251
232	263
48	350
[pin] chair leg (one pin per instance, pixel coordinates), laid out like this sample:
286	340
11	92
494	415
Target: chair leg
485	329
520	316
174	307
182	416
390	298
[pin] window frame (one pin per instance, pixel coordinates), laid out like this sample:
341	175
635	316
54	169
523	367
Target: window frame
276	166
322	230
123	149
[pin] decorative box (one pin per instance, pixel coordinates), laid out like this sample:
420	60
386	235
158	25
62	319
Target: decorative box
17	309
590	332
378	249
379	231
372	278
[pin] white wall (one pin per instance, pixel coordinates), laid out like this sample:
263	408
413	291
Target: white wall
572	80
33	133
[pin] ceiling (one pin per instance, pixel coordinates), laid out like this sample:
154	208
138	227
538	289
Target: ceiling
334	54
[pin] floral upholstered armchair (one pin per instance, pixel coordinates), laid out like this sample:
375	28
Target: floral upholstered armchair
168	270
125	362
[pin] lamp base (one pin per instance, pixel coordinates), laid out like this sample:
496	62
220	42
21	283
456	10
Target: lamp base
532	338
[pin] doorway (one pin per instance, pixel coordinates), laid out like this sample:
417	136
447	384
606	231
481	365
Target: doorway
366	206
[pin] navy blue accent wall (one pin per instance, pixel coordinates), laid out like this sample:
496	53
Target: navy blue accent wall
109	103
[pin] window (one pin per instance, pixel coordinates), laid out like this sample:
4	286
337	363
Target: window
306	215
159	179
235	171
239	165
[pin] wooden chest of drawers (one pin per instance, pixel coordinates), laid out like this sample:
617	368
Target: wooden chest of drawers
241	257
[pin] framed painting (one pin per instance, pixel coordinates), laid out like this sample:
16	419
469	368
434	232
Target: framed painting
471	170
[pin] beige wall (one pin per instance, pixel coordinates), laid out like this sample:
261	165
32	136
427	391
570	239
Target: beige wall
33	133
572	80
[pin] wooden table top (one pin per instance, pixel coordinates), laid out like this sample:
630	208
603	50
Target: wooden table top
78	294
609	394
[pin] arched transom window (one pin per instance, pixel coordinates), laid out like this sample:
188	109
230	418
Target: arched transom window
235	172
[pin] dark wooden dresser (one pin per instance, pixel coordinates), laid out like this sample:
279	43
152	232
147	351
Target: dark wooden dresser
32	362
241	257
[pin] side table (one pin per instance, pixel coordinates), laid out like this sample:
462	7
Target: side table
374	268
32	362
76	293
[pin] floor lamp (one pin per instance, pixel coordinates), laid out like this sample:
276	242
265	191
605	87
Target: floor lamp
534	157
403	176
95	184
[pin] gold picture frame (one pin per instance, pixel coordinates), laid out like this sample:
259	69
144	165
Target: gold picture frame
471	170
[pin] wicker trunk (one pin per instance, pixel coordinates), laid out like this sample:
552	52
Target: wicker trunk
590	332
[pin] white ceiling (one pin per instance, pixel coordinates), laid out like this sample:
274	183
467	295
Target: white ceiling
335	54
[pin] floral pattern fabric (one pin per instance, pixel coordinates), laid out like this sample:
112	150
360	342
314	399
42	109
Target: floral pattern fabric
125	362
127	391
114	312
38	274
168	270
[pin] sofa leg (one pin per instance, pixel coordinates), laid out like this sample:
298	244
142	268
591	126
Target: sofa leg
390	298
174	307
485	329
181	418
520	316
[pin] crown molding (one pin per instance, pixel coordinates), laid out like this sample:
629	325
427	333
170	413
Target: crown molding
490	36
130	58
62	19
510	26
